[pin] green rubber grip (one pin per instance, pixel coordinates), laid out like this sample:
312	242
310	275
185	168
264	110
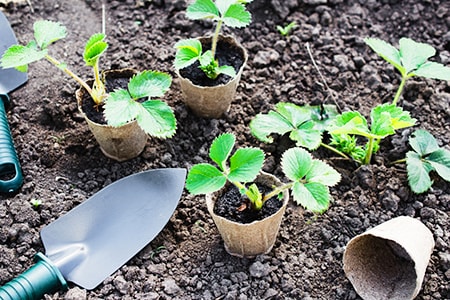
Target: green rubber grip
33	284
11	177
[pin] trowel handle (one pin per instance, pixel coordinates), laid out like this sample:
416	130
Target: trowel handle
40	279
10	173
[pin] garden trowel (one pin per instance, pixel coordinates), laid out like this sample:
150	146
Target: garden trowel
10	173
97	237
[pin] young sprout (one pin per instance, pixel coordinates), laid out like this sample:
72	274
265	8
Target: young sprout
231	13
155	117
310	178
45	34
411	59
286	30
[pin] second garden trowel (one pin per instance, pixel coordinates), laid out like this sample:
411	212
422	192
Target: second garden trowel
98	236
11	177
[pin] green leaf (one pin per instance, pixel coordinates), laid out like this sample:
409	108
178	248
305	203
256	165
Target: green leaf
423	142
207	59
188	52
307	136
433	70
418	170
351	122
440	160
227	70
313	196
119	108
387	52
323	115
202	9
221	149
149	84
18	56
237	16
47	32
263	125
289	117
296	163
386	118
94	48
321	172
157	119
204	179
246	164
414	54
255	196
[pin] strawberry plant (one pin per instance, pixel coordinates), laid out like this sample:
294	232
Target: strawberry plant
411	59
425	157
121	106
310	178
224	12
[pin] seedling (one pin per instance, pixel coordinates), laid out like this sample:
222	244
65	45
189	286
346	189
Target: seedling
223	12
411	59
425	157
36	203
286	30
310	178
153	116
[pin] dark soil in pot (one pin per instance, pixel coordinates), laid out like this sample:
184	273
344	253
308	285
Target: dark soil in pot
235	207
116	79
63	167
226	53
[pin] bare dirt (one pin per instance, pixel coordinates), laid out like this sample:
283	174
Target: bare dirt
63	165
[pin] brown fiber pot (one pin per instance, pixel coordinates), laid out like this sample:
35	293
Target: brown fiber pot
388	262
212	101
118	143
249	240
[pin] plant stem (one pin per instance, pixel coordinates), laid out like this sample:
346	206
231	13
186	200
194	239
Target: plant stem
335	150
369	152
216	38
400	89
277	190
398	161
70	73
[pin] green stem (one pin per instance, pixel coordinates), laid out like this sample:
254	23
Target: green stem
400	89
369	152
277	190
399	161
216	38
335	150
70	73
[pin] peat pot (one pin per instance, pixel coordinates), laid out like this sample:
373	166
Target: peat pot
213	101
388	262
118	143
251	239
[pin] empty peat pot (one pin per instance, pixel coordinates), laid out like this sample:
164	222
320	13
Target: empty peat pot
389	260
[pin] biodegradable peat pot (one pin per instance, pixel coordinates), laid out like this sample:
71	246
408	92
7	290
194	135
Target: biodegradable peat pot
388	262
251	239
213	100
118	143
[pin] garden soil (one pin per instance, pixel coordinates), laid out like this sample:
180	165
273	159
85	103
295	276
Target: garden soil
63	165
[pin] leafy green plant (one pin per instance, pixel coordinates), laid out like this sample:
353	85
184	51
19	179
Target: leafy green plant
310	178
425	157
286	30
411	59
154	116
306	125
232	13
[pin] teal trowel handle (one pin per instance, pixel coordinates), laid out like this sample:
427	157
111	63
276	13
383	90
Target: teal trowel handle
11	174
40	279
